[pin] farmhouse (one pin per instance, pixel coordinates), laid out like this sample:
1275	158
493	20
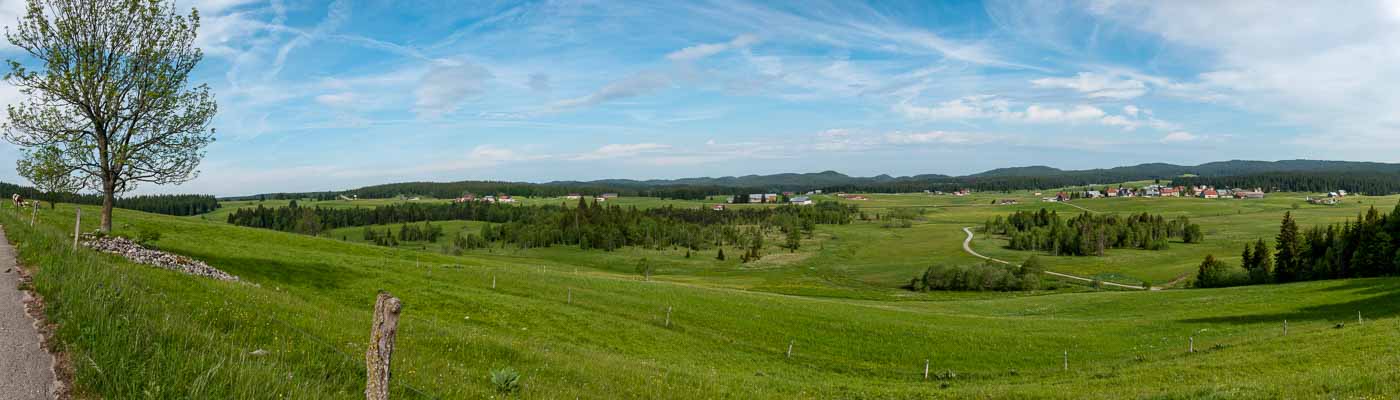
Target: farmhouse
1005	202
801	200
465	198
1249	194
717	207
1111	192
574	196
1093	194
1210	194
608	195
770	198
756	198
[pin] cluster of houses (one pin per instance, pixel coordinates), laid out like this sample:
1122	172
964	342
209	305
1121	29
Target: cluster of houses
856	197
469	197
772	198
959	192
1205	192
599	198
1332	198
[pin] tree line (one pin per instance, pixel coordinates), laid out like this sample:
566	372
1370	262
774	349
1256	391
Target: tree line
168	204
588	224
1368	246
1089	234
1323	182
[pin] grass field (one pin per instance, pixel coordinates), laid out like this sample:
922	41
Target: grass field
134	331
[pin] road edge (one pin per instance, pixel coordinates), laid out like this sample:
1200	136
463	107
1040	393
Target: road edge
34	307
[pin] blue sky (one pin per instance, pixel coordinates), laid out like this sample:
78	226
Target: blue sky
329	95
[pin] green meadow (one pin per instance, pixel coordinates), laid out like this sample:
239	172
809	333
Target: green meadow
582	324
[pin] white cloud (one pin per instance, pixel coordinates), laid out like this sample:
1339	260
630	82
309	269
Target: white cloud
934	137
701	51
336	99
613	151
1080	113
1327	70
969	107
1131	110
446	86
1095	85
635	85
1179	136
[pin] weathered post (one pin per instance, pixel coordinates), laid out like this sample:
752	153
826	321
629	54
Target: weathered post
789	353
1066	360
668	317
925	369
571	296
34	214
382	333
1191	345
77	227
1285	327
493	281
1358	317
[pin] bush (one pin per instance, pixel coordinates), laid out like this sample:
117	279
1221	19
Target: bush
505	380
1216	273
979	277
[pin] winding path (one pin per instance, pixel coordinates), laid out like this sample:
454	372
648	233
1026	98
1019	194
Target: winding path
967	246
26	369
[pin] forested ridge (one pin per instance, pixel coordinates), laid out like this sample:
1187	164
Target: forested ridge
1286	175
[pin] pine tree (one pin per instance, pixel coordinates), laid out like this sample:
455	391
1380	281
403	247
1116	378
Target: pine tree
720	256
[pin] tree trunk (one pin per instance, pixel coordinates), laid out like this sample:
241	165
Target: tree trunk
108	197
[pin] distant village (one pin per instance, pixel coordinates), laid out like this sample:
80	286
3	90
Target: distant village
1204	192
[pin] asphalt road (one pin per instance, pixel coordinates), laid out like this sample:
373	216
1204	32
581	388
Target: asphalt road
26	370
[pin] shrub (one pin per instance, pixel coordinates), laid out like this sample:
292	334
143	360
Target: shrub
505	380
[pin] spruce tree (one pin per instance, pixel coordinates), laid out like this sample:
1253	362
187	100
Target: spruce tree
1287	259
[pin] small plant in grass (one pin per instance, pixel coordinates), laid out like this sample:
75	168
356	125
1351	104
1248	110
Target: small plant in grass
146	236
505	380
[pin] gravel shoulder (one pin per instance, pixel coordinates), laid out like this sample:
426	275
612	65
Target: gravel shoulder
26	369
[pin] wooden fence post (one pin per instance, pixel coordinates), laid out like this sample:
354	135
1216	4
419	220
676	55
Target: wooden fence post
493	281
789	353
925	369
668	317
383	331
571	296
77	227
34	215
1285	327
1358	317
1066	360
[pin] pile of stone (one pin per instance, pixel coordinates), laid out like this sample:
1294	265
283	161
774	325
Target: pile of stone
141	255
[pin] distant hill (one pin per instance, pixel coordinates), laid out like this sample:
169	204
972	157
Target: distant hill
1351	175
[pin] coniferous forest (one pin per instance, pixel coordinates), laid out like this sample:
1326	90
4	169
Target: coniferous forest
589	225
1090	234
1365	247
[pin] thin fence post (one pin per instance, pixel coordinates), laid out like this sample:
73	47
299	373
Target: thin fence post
383	331
668	316
493	281
789	352
1285	327
1191	345
1358	317
571	295
925	369
77	227
34	215
1066	360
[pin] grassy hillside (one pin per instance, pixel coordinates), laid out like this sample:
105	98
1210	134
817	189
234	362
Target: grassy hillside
134	331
